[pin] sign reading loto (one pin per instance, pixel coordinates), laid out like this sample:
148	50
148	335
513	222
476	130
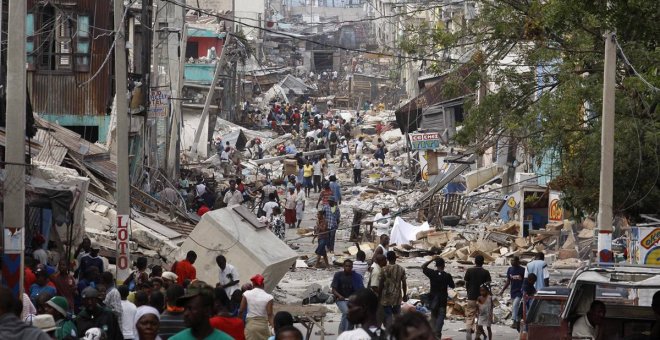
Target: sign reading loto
123	240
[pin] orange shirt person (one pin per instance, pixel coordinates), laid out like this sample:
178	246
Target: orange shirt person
185	269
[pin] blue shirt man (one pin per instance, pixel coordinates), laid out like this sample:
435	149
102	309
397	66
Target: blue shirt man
336	190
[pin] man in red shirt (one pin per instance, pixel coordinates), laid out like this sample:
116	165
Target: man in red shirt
185	269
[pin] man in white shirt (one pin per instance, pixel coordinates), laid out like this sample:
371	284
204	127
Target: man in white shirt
128	310
318	174
233	196
357	170
383	222
268	207
359	146
344	152
200	189
587	325
228	276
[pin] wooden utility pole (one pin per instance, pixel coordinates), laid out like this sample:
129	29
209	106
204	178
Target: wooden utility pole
123	126
14	185
607	147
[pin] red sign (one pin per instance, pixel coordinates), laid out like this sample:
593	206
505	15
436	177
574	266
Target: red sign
123	250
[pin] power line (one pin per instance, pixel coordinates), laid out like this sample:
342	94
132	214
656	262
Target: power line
302	38
625	59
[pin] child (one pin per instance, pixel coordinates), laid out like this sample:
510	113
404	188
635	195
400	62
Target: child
485	301
321	231
277	223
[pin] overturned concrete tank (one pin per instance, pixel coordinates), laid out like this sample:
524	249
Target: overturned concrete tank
246	243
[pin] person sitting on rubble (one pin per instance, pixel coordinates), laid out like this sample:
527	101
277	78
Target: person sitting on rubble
588	325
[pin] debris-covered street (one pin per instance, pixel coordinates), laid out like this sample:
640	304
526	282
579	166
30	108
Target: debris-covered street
329	169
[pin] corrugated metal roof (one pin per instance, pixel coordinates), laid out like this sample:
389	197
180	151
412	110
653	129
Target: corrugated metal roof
296	85
69	139
52	152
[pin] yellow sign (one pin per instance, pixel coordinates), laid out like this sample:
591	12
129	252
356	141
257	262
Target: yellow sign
511	202
651	239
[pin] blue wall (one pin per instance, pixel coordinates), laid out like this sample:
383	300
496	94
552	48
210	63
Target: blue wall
103	122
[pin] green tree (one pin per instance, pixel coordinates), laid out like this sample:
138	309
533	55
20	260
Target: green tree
557	111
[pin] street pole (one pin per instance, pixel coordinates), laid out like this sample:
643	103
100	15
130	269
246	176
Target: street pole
14	185
607	148
123	126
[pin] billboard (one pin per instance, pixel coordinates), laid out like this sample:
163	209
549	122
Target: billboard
644	245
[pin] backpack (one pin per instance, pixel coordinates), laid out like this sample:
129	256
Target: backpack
333	137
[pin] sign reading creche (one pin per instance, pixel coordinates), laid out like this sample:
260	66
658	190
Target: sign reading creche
425	141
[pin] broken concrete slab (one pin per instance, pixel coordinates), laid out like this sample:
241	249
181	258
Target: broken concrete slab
247	244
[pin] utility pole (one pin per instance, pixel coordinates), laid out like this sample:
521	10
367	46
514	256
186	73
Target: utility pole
14	185
607	148
123	126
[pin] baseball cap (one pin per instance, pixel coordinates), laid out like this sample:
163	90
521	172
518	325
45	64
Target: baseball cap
204	291
89	292
95	245
59	303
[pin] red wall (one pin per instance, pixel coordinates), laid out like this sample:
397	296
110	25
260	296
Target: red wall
206	43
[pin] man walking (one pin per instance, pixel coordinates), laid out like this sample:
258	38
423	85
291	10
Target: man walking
336	189
332	215
440	282
394	289
514	277
540	268
344	284
474	278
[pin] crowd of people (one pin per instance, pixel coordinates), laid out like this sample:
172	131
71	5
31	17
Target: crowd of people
80	300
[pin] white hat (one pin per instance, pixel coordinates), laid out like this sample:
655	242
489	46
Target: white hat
45	322
169	276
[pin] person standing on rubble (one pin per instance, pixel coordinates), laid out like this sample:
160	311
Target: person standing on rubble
474	278
321	233
383	222
514	277
308	172
344	152
357	170
332	215
290	207
333	138
233	196
336	189
324	196
540	269
318	174
300	203
440	281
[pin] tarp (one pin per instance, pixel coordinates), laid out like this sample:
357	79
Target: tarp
404	232
250	247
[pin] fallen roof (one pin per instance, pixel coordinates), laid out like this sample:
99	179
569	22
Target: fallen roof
295	85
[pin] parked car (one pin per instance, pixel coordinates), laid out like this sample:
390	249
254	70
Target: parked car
543	321
630	318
